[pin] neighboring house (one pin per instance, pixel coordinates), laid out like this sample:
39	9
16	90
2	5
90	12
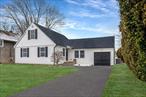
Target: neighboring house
38	44
7	42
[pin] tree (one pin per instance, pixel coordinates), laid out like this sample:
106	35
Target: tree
57	56
25	12
133	30
4	26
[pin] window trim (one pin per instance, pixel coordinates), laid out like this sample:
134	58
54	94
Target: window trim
25	52
76	54
42	51
2	41
64	51
82	56
32	34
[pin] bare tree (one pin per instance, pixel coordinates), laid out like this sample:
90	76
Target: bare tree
25	12
53	17
5	26
57	56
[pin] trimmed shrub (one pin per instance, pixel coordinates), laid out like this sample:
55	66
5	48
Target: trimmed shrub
133	30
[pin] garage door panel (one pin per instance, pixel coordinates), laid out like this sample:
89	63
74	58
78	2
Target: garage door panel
101	58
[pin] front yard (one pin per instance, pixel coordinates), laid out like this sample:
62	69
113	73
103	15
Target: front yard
16	78
122	83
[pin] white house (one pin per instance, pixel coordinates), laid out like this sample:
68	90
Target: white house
38	45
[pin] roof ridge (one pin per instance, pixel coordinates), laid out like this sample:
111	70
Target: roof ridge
50	29
56	37
93	38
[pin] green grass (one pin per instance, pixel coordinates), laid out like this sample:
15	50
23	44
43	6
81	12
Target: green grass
122	83
16	78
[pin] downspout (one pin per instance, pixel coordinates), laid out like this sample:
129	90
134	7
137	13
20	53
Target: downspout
54	53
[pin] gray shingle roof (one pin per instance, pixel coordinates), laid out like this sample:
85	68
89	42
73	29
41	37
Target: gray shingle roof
102	42
59	39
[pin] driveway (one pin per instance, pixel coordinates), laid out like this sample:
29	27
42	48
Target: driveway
87	82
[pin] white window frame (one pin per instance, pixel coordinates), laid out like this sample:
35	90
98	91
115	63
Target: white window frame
42	52
78	55
2	43
82	56
24	52
32	34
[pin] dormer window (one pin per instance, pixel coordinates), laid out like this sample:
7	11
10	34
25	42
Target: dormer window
1	43
32	34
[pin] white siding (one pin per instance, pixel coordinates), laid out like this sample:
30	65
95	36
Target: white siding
41	40
33	56
33	44
88	60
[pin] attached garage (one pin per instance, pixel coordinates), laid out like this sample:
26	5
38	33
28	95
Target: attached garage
102	58
97	51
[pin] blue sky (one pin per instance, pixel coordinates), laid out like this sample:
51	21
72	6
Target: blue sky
87	18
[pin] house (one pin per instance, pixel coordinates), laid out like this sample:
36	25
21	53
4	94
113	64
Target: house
7	42
38	45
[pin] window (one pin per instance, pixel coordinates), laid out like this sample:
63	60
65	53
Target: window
1	43
82	54
42	51
76	54
24	52
63	51
32	34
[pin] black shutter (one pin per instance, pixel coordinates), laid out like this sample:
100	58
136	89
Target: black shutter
28	34
36	34
27	52
38	51
21	52
46	51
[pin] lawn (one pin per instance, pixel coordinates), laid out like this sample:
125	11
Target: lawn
16	78
122	83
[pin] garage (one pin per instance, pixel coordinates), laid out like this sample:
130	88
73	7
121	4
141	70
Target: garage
101	58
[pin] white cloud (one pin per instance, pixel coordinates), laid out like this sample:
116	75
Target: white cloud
86	14
72	2
82	26
105	6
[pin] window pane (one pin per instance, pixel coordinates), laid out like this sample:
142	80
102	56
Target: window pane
24	52
63	51
76	54
32	34
82	54
42	52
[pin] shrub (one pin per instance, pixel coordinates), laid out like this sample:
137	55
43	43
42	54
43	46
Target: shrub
133	30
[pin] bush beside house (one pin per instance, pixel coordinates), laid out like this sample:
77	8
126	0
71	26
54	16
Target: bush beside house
133	28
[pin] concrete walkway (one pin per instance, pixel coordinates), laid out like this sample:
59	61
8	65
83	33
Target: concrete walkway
87	82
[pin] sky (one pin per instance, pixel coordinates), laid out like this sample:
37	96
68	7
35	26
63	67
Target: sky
87	18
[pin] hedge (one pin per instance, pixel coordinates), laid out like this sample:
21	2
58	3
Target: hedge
133	31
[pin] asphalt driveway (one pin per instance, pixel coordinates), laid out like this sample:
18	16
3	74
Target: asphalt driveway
87	82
